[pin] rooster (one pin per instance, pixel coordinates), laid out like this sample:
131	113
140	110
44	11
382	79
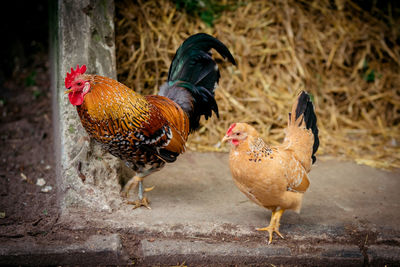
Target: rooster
148	131
275	177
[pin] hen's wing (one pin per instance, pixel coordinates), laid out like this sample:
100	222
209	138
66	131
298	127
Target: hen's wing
279	162
296	174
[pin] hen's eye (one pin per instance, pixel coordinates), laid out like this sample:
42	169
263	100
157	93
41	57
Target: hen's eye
237	133
79	83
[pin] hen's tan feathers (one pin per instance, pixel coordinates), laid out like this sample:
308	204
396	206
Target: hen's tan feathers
265	174
275	176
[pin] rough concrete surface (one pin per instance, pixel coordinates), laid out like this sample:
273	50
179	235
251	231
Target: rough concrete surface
82	33
196	195
96	250
384	255
198	214
201	252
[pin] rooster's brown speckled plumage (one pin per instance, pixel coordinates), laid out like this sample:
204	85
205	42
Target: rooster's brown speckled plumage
149	131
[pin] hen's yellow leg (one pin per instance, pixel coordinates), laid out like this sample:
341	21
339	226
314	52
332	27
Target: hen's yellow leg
273	225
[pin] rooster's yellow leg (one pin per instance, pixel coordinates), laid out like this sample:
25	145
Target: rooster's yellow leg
273	225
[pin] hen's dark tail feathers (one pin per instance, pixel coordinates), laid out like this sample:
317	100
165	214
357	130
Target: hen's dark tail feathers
194	75
306	107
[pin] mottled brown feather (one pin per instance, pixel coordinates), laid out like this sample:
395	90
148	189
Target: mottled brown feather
131	126
177	119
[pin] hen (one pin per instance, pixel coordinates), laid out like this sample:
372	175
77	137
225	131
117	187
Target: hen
149	131
275	177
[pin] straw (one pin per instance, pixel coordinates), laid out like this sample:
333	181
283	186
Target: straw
346	58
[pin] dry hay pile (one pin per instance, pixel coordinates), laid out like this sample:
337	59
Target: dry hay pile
347	59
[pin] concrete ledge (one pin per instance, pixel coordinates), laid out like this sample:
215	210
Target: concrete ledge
107	250
171	252
97	250
382	255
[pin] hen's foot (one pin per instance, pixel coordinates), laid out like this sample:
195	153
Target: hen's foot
271	229
273	225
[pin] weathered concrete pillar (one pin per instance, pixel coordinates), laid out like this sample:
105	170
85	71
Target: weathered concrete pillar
82	32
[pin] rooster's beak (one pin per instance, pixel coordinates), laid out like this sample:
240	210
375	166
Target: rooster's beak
225	139
68	91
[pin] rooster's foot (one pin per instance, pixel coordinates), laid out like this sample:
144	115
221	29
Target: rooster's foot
140	202
133	183
148	189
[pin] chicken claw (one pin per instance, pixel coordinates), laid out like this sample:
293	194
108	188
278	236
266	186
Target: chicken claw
273	225
140	202
271	229
137	181
148	189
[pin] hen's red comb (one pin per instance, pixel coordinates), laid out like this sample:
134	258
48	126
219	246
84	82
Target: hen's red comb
71	76
230	129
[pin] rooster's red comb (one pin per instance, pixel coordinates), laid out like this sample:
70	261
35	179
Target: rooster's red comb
71	76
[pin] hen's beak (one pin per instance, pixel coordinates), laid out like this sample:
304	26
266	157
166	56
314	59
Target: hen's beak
225	139
68	91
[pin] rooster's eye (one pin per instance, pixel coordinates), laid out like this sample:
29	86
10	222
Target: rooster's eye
79	83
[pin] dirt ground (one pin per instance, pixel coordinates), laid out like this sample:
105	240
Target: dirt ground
27	152
27	210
